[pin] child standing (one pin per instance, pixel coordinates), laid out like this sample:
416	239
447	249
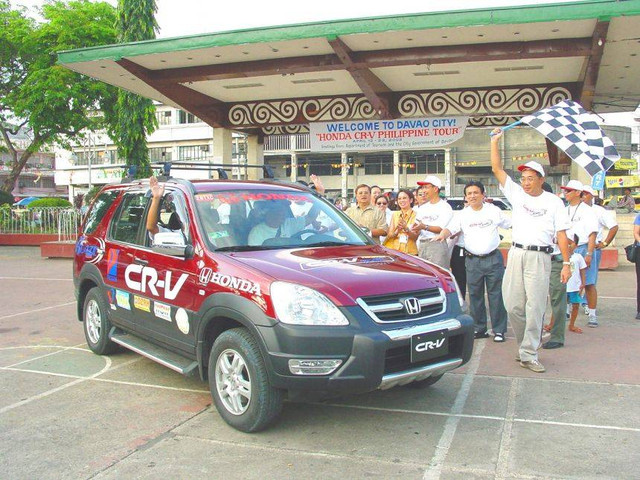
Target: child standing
575	286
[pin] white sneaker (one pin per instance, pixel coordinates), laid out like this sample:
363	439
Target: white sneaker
593	321
586	308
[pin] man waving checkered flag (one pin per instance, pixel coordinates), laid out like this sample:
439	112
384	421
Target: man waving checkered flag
575	131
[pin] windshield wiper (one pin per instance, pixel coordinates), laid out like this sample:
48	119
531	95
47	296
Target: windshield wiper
246	248
331	244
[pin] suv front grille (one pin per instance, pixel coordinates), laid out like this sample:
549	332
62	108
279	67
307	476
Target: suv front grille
400	307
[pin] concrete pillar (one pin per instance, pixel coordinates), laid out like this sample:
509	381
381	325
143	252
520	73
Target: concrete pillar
222	149
344	170
294	167
255	156
448	172
579	173
396	170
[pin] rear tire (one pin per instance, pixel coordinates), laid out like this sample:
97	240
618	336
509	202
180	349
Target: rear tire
427	382
96	325
239	382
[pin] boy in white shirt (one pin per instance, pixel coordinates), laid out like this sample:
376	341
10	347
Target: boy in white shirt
575	286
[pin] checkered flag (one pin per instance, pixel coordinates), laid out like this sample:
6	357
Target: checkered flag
575	131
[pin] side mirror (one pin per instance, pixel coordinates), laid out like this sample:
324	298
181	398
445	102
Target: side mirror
171	243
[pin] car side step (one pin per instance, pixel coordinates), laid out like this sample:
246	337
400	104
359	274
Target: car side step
175	362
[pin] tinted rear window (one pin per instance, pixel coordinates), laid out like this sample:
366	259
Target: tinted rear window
100	207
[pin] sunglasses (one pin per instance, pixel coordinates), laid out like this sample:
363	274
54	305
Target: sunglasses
381	203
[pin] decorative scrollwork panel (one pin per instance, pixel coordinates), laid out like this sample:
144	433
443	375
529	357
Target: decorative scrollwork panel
494	102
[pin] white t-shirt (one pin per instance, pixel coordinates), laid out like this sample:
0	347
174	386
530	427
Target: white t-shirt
606	219
438	214
584	222
536	220
262	231
577	264
480	228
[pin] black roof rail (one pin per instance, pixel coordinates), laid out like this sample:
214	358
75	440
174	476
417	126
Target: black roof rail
180	181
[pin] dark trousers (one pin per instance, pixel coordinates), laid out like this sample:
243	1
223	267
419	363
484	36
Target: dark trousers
481	272
458	268
558	297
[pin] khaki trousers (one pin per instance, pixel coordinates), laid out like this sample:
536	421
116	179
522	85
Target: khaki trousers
434	252
524	289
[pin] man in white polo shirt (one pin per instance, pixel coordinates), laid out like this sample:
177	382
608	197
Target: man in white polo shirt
479	223
431	217
538	217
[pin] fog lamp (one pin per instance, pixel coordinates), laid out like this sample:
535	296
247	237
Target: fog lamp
313	367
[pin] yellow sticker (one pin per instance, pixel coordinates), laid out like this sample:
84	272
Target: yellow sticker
142	303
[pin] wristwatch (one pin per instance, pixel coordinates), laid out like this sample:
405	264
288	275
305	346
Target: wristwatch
566	263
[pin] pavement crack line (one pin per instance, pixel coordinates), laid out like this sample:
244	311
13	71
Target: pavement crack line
105	369
55	390
62	349
434	471
166	435
297	451
504	451
38	310
38	278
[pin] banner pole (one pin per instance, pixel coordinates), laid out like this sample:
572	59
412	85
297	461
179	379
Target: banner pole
511	125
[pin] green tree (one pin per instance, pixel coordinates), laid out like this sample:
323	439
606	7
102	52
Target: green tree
49	103
135	114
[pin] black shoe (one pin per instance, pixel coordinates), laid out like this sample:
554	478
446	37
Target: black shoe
550	345
484	334
638	316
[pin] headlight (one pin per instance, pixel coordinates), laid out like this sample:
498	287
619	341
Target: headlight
459	292
298	305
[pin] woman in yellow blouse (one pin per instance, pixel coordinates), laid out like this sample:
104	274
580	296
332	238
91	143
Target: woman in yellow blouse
400	236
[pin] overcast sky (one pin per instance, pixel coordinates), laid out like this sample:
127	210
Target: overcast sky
189	17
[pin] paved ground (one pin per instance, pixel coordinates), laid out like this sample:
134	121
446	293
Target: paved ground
66	413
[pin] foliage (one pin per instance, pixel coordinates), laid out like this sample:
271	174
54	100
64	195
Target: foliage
49	202
50	103
135	114
6	198
91	194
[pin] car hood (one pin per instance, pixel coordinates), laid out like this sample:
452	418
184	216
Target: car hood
346	273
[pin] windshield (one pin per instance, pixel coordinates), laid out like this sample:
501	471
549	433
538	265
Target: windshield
273	219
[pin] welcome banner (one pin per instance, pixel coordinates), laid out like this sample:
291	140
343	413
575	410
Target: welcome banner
398	134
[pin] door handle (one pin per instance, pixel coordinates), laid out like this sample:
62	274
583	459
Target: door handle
140	261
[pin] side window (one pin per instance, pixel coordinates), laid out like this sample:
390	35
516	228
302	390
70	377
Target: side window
129	219
100	207
173	215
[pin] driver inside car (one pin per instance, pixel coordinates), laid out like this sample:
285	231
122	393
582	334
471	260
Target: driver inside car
155	224
279	222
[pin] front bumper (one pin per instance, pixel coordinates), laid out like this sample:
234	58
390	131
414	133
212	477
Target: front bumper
374	356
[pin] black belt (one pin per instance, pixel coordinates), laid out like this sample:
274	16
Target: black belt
473	255
535	248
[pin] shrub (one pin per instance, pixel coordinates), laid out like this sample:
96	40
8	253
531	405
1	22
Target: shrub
6	198
49	202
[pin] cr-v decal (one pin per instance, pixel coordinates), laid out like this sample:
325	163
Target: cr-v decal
148	279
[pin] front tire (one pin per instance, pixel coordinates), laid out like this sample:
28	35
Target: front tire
239	382
96	324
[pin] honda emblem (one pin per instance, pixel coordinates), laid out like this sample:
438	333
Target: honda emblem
412	305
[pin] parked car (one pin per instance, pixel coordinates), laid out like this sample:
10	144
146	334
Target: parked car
457	203
313	312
